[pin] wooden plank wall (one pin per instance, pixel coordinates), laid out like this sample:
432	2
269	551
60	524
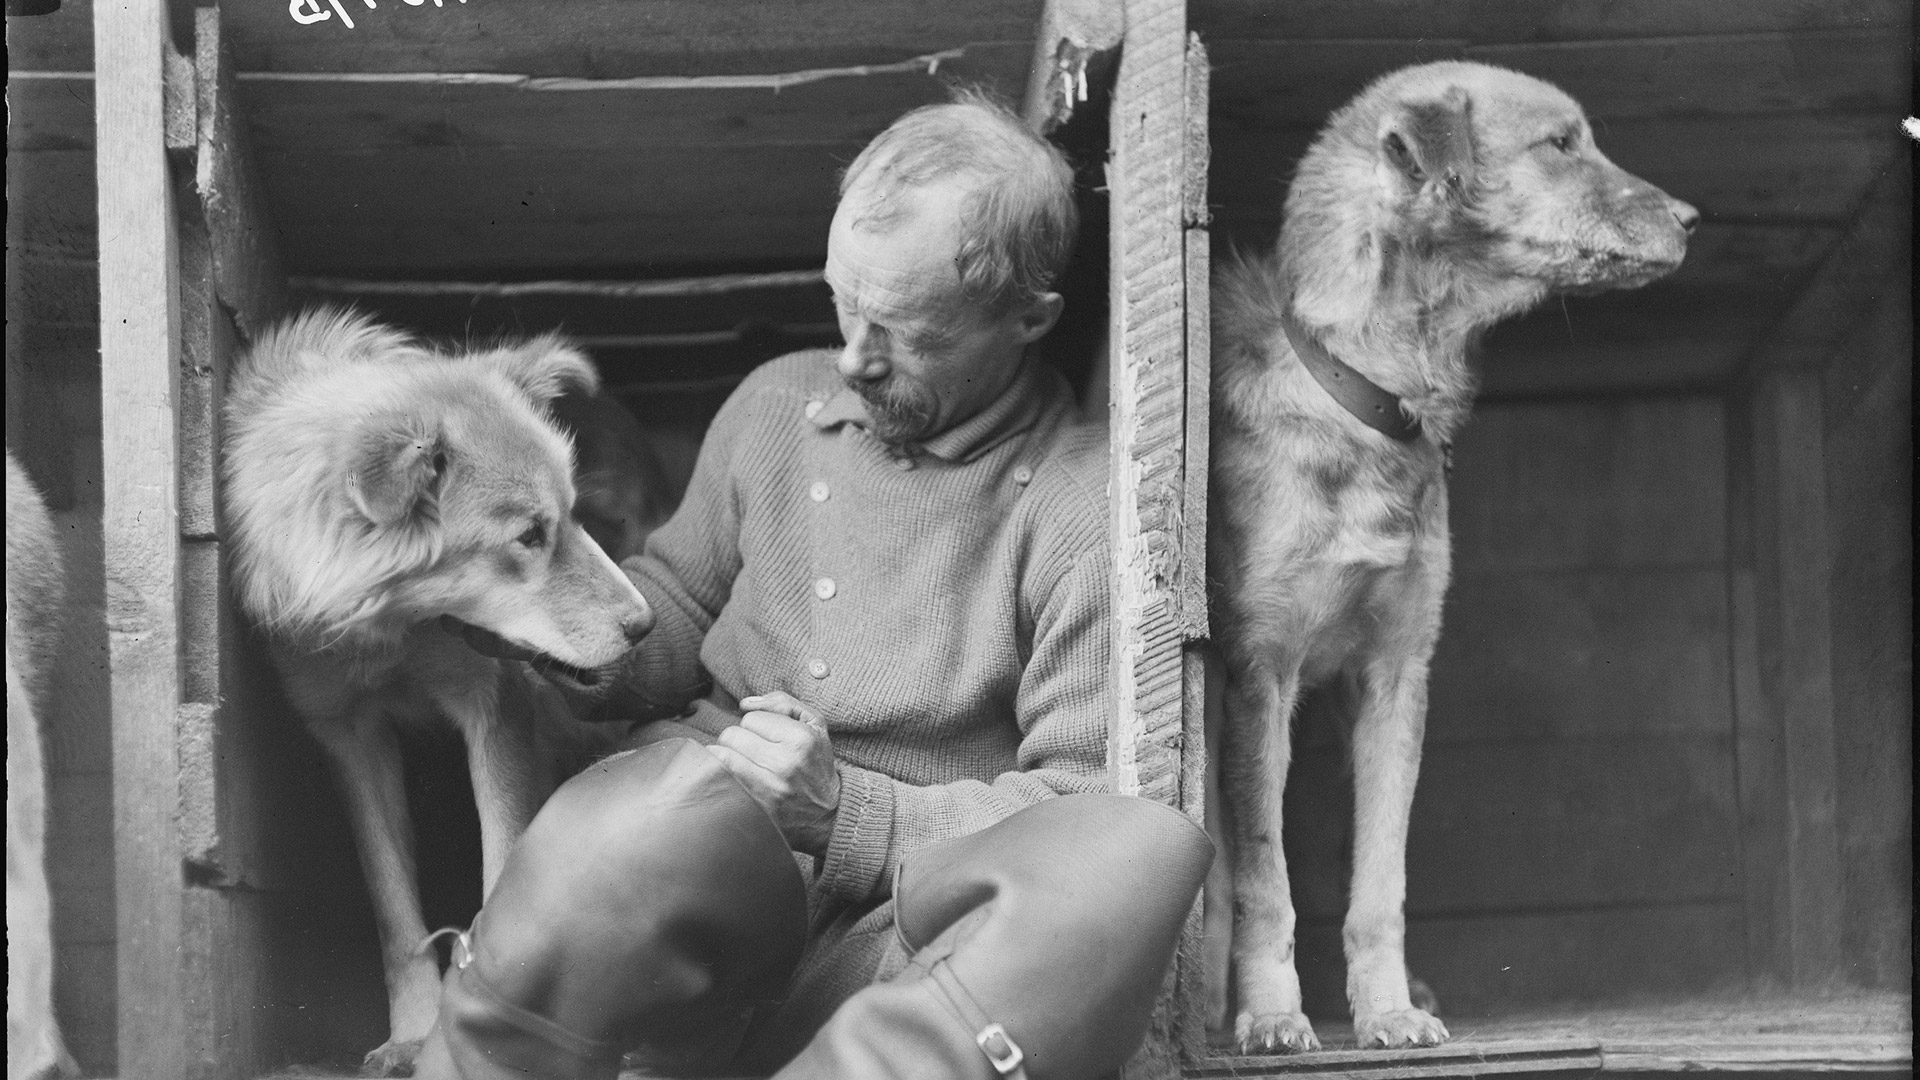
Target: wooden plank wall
1823	571
53	425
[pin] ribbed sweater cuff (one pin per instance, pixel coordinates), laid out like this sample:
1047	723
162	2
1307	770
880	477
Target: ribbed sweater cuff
856	859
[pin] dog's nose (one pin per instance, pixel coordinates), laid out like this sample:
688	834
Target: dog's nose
1684	213
638	625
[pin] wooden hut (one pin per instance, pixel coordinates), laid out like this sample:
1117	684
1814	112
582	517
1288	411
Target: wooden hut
1665	819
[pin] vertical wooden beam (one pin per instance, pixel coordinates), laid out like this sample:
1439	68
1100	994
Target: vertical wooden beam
1781	567
1149	381
139	346
1157	488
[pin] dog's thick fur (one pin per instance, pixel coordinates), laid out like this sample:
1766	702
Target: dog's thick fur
395	513
35	588
1443	199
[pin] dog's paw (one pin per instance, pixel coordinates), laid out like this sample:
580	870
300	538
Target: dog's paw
1399	1029
391	1058
1284	1033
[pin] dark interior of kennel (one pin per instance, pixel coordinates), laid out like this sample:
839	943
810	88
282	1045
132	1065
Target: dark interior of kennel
1670	743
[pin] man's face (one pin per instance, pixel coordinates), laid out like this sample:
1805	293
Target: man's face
918	351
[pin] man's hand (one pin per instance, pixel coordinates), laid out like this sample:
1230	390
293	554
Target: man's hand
779	752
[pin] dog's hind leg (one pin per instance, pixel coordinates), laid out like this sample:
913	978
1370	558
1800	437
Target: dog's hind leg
366	756
1260	698
1386	763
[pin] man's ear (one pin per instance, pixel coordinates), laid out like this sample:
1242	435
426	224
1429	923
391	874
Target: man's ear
545	368
397	471
1039	315
1432	141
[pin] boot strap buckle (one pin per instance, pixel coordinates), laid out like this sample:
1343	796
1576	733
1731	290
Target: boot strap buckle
1000	1049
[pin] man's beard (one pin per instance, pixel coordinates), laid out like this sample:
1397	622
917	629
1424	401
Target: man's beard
897	412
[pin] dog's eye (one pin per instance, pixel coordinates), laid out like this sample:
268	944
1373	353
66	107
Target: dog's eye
1563	142
534	537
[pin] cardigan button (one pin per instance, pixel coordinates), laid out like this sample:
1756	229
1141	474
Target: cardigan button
818	669
1023	476
903	463
814	407
825	588
819	491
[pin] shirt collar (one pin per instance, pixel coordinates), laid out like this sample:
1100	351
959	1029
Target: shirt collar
1014	411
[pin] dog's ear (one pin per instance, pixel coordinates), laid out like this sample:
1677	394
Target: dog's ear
1432	141
397	472
545	368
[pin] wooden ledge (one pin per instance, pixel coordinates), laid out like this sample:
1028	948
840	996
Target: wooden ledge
1870	1033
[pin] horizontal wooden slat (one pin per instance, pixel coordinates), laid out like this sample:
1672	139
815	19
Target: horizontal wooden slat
1592	484
614	38
1268	85
1557	655
427	209
360	119
1534	20
1457	1058
1791	72
1524	828
1669	1033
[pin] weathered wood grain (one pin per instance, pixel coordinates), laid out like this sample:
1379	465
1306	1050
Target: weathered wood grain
360	118
1072	35
1490	21
616	38
140	319
244	245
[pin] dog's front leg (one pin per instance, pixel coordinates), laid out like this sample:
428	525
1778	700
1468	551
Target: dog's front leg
366	758
507	782
1386	763
1260	698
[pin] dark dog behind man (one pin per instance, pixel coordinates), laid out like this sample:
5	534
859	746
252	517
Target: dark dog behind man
1441	200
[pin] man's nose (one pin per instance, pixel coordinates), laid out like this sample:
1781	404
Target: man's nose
866	356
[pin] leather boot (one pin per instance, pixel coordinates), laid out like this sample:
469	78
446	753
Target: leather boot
1040	945
651	903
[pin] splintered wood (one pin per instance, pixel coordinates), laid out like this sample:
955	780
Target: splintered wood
1154	611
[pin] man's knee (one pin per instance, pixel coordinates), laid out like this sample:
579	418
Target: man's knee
1084	858
650	883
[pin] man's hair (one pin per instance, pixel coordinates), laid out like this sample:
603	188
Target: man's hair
1019	220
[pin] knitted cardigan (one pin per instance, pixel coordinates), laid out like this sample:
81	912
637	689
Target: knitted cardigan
943	608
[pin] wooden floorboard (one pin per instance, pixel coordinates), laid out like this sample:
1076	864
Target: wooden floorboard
1765	1036
1785	1035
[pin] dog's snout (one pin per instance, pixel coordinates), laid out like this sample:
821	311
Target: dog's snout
1684	213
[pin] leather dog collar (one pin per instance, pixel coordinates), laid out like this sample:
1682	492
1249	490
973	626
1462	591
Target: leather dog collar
1356	393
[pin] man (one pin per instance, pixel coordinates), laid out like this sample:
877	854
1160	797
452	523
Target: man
883	626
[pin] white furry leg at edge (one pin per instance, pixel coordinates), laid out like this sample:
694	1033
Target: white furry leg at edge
1386	764
34	1047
